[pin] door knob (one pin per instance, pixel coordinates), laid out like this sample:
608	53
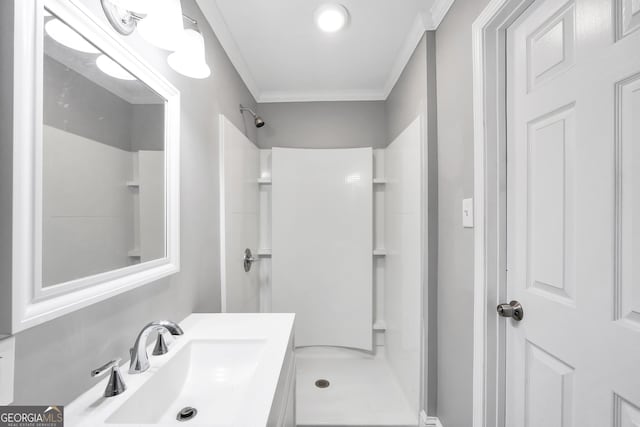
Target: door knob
513	309
248	260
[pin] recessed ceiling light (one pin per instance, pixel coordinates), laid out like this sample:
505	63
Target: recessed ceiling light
331	17
112	68
65	35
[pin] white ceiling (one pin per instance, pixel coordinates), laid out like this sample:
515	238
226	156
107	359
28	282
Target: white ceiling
282	56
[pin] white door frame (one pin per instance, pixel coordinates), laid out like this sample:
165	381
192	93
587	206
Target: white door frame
490	191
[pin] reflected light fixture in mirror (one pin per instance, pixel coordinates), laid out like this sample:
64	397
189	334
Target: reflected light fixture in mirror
112	68
63	34
331	18
189	59
163	26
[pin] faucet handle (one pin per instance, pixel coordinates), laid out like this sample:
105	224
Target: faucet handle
102	369
115	385
161	346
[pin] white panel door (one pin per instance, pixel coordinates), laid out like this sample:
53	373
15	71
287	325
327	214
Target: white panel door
322	231
239	169
573	131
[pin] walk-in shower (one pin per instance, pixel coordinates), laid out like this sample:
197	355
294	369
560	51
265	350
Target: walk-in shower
337	233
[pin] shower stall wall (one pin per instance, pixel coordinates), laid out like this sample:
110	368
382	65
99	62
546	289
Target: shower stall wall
322	241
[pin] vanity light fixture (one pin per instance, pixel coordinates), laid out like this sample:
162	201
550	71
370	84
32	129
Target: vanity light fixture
189	60
158	21
161	23
63	34
112	68
139	7
331	17
163	27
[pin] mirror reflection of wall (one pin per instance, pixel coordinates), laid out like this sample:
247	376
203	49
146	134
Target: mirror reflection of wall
103	162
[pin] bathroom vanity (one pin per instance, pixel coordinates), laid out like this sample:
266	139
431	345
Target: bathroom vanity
226	370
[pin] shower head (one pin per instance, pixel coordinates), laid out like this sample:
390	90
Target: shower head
257	120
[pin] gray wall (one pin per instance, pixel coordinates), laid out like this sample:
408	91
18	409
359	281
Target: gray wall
414	94
147	132
323	124
78	105
455	181
53	360
74	103
6	153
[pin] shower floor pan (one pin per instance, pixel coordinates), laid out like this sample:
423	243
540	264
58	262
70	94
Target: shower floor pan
362	390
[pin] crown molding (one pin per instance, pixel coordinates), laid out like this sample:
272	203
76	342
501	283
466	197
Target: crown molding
438	12
404	55
219	26
423	22
312	96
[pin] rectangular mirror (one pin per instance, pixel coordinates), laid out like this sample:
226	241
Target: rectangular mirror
96	167
102	157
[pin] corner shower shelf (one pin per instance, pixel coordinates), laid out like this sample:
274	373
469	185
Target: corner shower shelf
379	252
264	252
134	253
265	181
379	180
133	184
380	325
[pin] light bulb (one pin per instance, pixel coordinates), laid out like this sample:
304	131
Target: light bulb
331	17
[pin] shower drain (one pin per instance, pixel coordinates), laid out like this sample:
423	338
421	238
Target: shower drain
322	383
186	413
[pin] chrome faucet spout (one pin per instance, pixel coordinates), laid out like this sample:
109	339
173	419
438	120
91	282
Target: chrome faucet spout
139	357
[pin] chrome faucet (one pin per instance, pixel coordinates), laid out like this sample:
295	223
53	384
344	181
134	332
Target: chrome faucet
139	356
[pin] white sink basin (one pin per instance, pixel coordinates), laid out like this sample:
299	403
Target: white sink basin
226	366
211	376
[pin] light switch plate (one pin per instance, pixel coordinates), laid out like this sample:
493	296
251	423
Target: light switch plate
467	213
7	365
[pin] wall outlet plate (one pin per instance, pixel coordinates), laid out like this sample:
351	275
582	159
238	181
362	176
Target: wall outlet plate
7	366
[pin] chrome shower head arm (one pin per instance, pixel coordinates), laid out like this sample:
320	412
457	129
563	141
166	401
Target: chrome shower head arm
243	109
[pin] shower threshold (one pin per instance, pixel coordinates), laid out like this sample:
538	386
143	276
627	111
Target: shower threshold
360	390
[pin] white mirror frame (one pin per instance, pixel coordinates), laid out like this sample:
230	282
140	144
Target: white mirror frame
31	303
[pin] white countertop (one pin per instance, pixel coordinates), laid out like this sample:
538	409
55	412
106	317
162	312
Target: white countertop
92	409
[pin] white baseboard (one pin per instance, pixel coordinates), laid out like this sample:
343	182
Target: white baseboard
426	421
